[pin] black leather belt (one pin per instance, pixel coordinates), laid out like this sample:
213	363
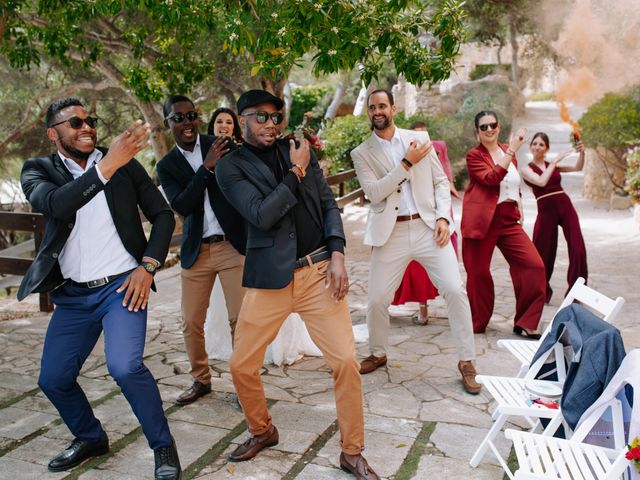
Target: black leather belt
315	257
214	239
98	282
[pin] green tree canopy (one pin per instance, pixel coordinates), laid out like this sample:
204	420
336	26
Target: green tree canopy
152	48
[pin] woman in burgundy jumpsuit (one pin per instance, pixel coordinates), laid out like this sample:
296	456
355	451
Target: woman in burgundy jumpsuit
555	210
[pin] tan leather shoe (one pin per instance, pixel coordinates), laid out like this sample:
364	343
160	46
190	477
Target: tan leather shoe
371	363
468	372
194	392
252	447
361	469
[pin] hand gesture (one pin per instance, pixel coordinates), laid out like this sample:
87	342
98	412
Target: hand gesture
137	284
218	150
441	233
516	141
300	155
124	147
416	152
337	277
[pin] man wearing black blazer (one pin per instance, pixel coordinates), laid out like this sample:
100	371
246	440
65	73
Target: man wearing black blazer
213	234
294	263
97	262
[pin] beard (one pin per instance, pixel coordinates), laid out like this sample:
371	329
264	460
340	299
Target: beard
74	152
382	126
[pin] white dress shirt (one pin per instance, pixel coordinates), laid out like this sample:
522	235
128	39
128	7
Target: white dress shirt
394	149
510	184
93	249
211	225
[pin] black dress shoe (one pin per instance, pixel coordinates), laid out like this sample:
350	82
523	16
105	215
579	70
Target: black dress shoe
194	392
523	332
78	452
167	463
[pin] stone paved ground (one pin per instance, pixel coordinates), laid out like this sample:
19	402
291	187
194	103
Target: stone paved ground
420	424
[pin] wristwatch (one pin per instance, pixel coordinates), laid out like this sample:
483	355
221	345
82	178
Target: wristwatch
149	267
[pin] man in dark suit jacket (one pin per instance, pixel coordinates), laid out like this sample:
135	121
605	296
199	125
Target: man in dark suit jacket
213	235
96	259
294	263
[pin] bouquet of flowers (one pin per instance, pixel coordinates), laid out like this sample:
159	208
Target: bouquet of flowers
634	453
304	131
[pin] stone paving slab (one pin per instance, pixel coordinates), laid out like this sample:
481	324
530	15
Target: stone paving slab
420	388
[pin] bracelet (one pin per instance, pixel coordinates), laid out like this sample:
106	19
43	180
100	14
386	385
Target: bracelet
510	152
303	172
407	162
298	177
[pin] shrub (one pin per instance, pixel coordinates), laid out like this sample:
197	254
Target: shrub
342	136
493	96
632	183
311	98
613	122
481	71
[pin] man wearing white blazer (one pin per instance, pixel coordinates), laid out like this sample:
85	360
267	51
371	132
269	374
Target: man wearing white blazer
409	219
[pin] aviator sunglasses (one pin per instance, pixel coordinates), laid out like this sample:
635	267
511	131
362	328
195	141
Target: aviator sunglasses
262	117
486	126
180	117
77	122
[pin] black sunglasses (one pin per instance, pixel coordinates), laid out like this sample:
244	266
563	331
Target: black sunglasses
262	117
486	126
180	117
77	122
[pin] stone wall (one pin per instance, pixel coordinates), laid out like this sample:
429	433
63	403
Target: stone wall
597	184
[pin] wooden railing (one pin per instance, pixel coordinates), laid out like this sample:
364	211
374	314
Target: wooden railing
340	179
12	259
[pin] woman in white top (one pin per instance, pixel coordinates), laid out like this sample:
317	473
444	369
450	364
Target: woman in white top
491	217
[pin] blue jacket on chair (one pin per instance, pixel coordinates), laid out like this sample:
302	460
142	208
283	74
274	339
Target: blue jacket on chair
597	352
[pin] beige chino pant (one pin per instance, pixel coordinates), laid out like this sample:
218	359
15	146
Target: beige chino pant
197	283
413	240
329	323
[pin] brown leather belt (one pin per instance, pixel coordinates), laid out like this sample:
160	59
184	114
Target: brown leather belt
406	218
214	239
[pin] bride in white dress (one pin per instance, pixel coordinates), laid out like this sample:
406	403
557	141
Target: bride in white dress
291	344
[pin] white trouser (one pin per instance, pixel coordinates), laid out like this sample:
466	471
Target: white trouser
413	240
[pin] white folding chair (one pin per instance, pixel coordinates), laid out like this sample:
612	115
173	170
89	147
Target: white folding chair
543	457
513	399
524	350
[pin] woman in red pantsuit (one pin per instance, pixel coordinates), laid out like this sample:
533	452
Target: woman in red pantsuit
416	286
490	218
555	209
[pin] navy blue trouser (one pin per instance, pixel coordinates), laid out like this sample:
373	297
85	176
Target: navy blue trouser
81	314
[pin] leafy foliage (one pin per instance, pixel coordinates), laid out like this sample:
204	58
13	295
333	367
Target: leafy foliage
342	136
422	41
481	71
632	185
311	98
613	122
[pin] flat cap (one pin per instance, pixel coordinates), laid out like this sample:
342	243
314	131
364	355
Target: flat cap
257	97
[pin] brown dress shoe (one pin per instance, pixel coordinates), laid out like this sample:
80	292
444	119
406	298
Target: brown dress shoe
193	393
361	470
468	372
251	447
372	362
